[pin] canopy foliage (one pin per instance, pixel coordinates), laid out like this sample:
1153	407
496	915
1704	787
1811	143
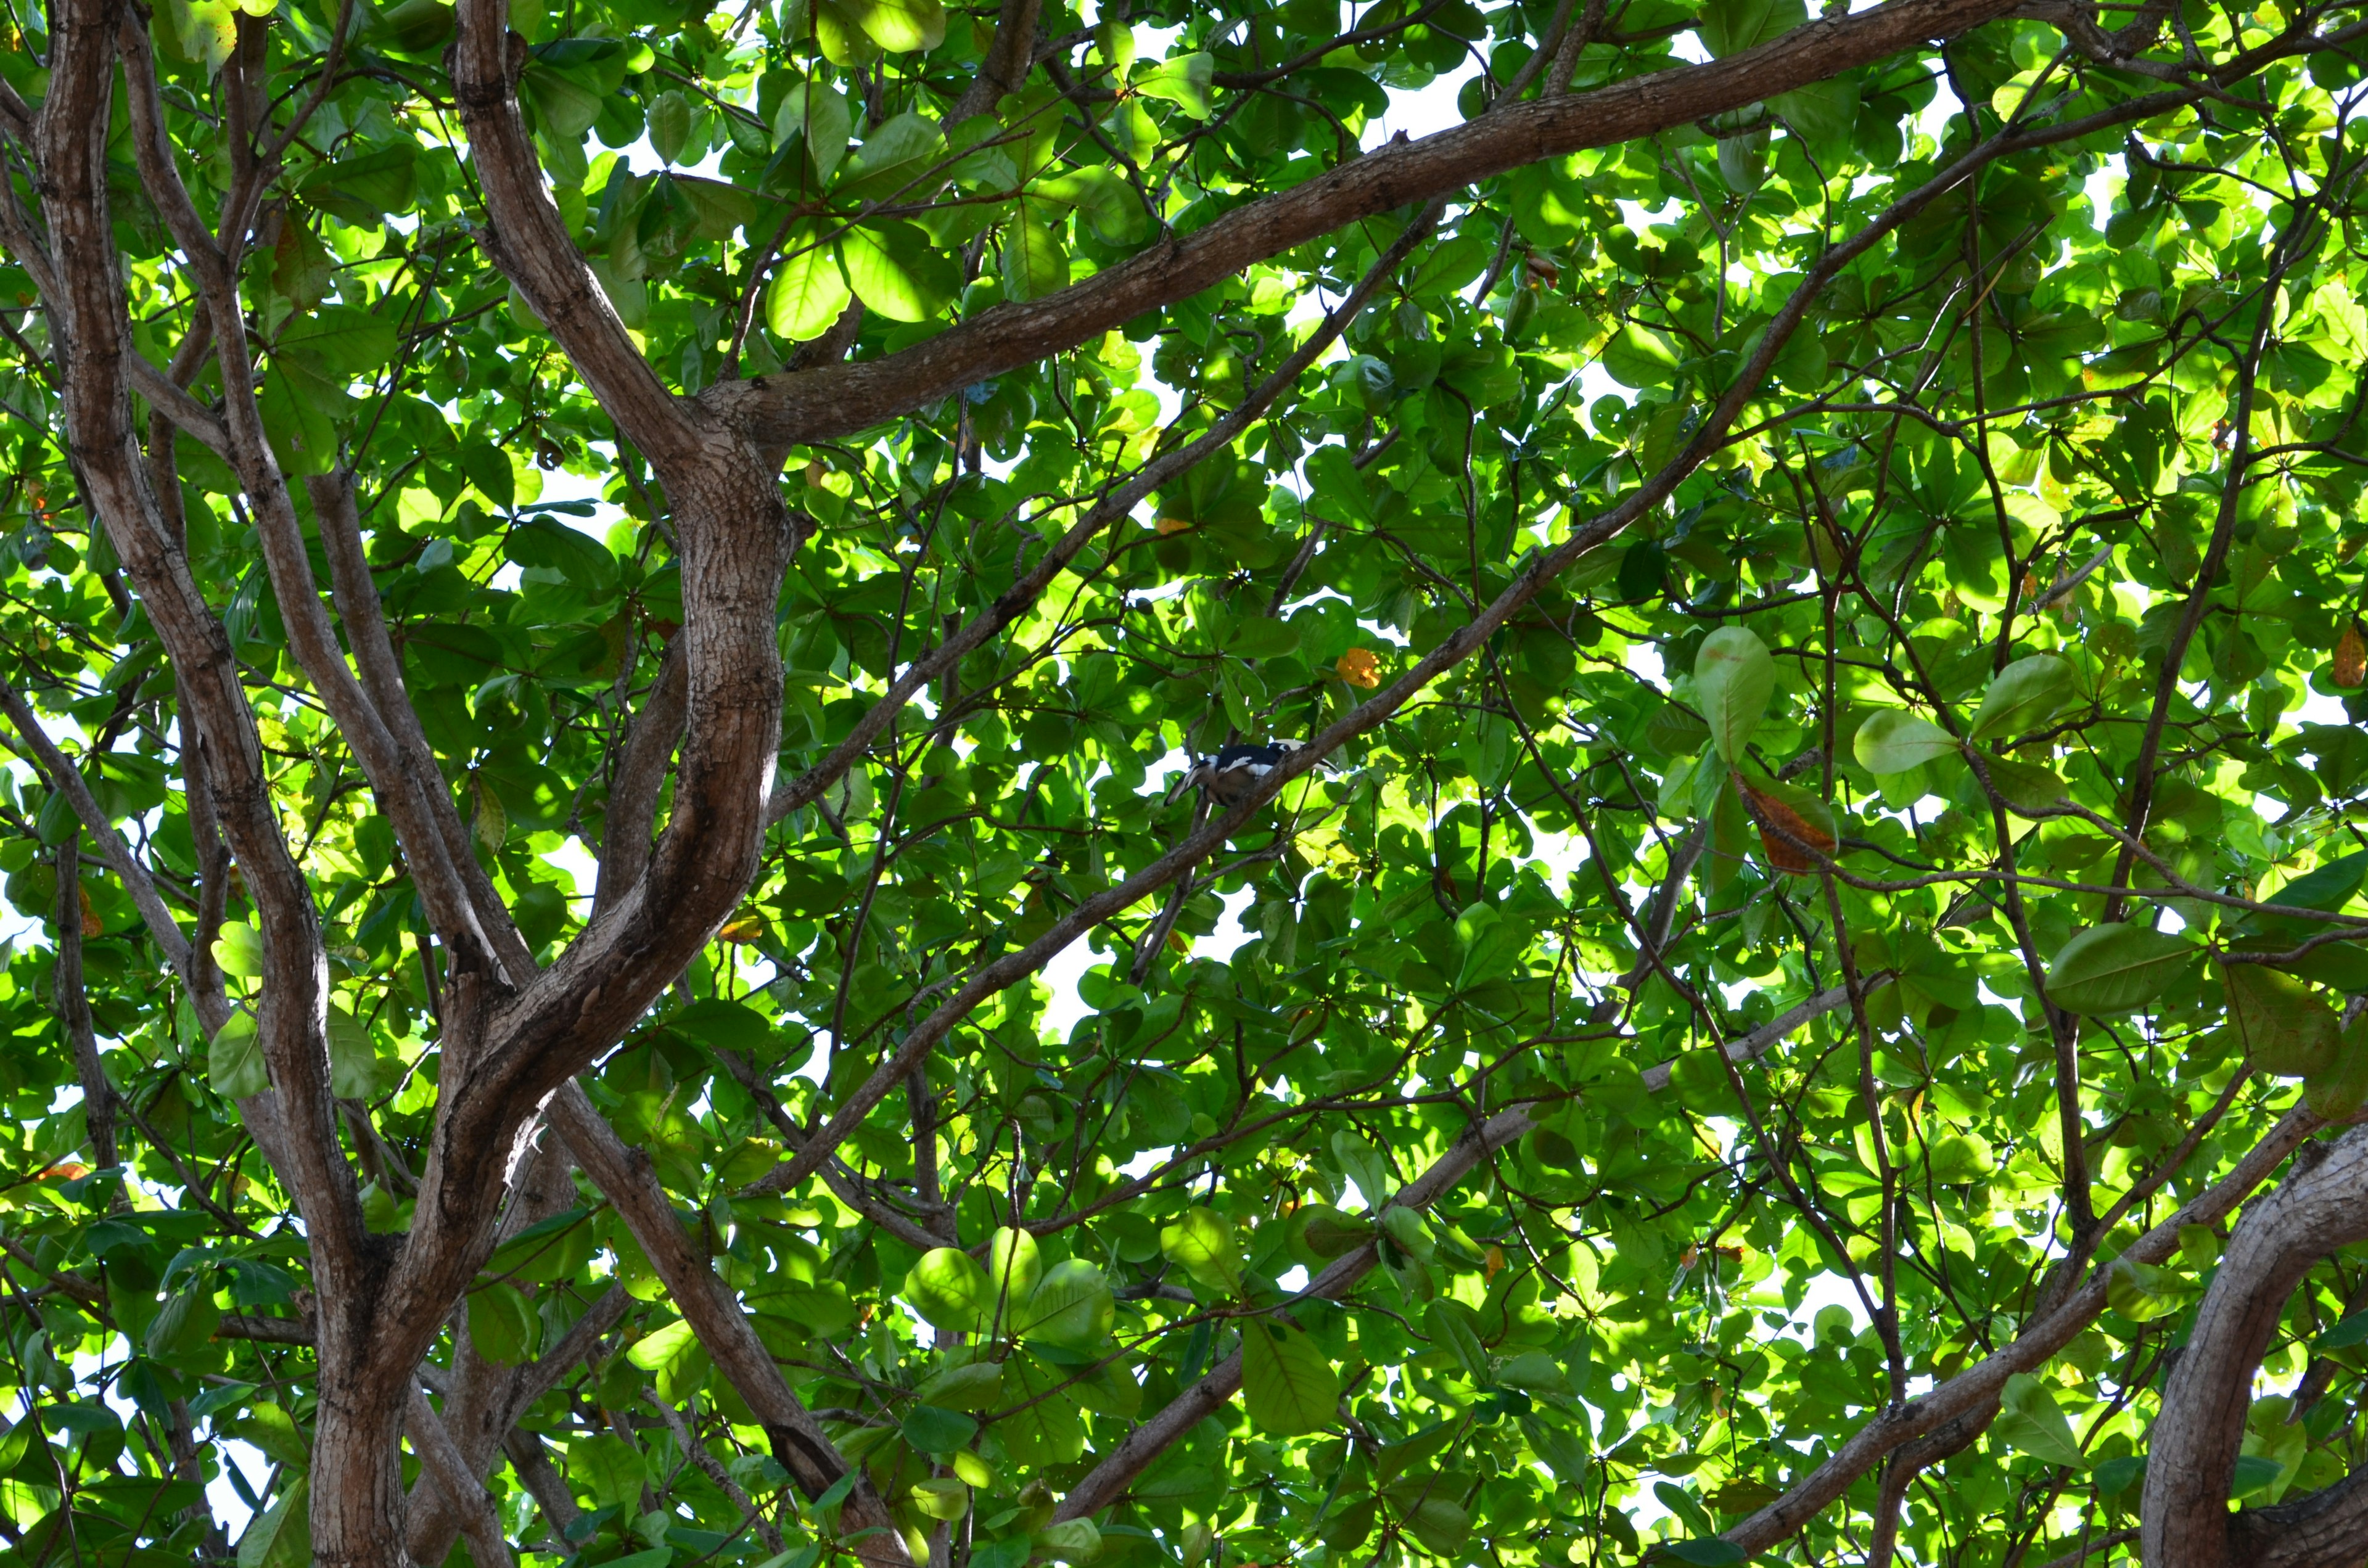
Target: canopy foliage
593	592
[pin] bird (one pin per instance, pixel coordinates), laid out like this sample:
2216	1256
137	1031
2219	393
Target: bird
1234	771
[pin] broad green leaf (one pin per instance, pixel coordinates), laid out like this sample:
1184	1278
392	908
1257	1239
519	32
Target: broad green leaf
2116	969
1288	1386
894	270
950	1290
1034	265
2339	1089
353	1058
1071	1540
1182	80
1070	1306
1893	741
2022	697
186	1321
234	1065
669	123
901	27
1641	357
239	950
507	1330
1730	26
935	1431
1200	1241
1734	677
2284	1024
2030	1420
1708	1552
977	1386
605	1465
1450	1325
1014	1265
2026	787
341	341
2141	1292
282	1536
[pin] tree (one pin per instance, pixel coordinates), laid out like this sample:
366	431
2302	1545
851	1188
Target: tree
1799	997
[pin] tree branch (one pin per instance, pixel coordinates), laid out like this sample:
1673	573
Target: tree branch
2191	1458
799	1442
837	399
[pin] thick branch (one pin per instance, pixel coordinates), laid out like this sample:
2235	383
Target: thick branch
2322	1205
640	776
1005	68
481	1520
837	399
528	240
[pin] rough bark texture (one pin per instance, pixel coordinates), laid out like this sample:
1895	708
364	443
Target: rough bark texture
2322	1205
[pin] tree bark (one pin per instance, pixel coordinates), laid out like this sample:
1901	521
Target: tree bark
2191	1457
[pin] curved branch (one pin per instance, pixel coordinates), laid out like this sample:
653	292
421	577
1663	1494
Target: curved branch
1008	56
528	240
2321	1531
2191	1458
836	399
799	1442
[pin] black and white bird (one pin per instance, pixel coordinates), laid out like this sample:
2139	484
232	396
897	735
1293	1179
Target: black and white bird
1234	771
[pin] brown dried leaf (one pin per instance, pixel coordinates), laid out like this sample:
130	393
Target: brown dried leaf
2349	666
1793	842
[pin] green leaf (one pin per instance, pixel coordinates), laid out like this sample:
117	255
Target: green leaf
934	1430
340	341
977	1385
1730	26
353	1060
894	270
1710	1553
1014	1265
1071	1540
507	1329
2030	1420
239	950
281	1536
900	27
2022	697
2284	1024
669	124
2352	1331
1441	1524
1034	265
1734	677
725	1025
186	1323
2026	787
1071	1306
2339	1089
1893	741
2116	969
1288	1386
1183	80
948	1288
1200	1241
607	1466
234	1066
1450	1324
269	1426
2141	1292
1639	358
